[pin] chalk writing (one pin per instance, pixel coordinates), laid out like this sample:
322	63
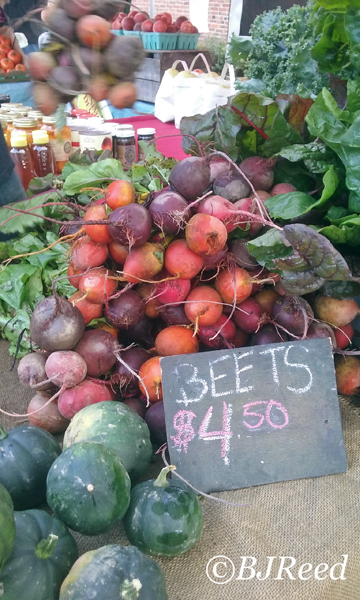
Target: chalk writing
223	435
182	424
199	386
214	393
265	417
298	366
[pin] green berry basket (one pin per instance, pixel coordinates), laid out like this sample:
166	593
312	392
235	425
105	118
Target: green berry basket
134	33
159	41
117	31
187	41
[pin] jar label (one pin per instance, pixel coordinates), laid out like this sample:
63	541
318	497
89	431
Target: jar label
61	149
126	154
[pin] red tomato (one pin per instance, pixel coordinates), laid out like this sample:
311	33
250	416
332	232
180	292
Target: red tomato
6	64
15	57
20	67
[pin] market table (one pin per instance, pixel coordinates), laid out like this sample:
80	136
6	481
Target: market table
168	146
312	520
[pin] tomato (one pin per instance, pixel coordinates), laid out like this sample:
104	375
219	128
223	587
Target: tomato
20	67
6	64
15	57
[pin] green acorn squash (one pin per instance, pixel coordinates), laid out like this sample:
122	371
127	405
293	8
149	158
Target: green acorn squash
26	454
164	518
117	427
88	488
7	525
43	554
121	572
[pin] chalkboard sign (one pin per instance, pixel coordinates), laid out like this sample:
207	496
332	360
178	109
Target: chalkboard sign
254	415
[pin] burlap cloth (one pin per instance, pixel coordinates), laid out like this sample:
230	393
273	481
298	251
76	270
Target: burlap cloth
313	520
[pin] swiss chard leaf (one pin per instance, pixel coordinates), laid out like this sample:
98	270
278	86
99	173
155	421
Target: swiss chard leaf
335	128
289	206
319	254
293	204
217	129
266	117
304	258
268	247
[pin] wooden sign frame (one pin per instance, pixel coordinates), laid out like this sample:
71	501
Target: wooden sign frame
254	415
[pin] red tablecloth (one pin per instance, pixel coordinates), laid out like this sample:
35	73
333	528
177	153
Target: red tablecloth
168	146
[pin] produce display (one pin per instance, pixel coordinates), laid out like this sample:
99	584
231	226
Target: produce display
84	56
10	59
161	23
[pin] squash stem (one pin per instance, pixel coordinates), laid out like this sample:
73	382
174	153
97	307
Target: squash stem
161	480
45	548
3	433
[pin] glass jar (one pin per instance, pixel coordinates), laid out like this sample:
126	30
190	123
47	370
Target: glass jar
126	146
27	126
9	128
42	153
146	134
36	114
60	142
22	159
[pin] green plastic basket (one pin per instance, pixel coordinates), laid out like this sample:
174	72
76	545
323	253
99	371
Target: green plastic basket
159	41
117	31
187	41
134	33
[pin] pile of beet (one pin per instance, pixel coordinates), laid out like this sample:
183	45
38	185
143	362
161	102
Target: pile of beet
166	278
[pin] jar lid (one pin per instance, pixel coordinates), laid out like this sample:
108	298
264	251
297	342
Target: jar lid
40	136
25	122
49	121
20	112
35	114
128	133
146	131
11	105
124	127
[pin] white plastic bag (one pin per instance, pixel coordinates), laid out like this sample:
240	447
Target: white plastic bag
188	94
164	101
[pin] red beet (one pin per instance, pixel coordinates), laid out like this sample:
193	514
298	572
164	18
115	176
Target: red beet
191	177
259	171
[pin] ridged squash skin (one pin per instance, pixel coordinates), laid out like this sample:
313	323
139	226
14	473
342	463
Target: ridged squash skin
117	427
7	525
114	572
164	518
43	554
88	488
26	455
